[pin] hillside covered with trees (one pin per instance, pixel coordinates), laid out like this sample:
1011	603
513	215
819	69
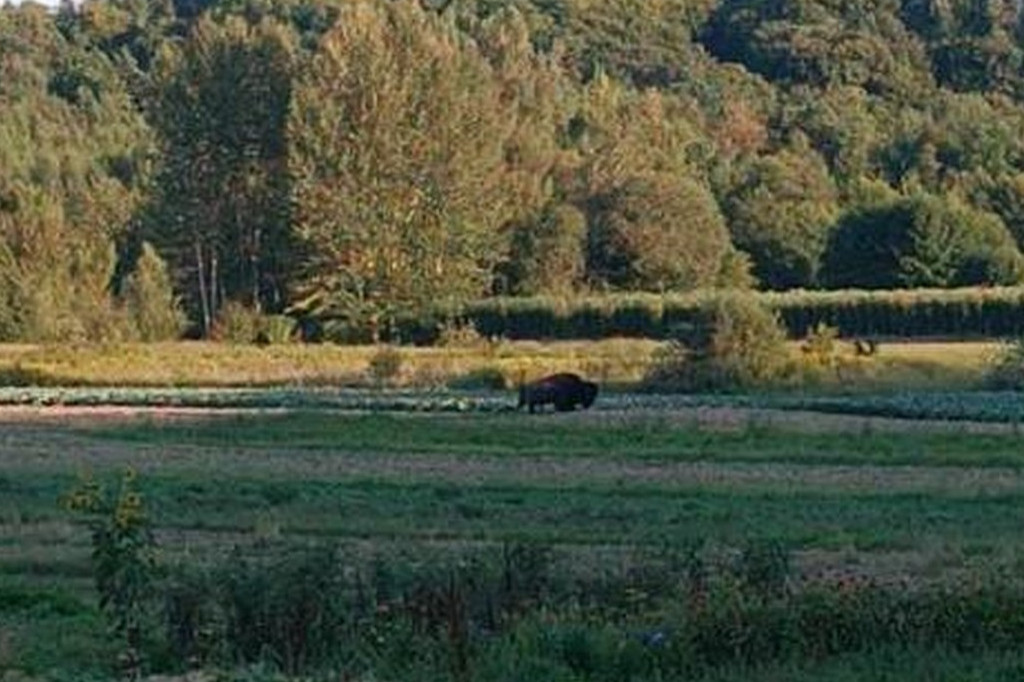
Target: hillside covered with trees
168	164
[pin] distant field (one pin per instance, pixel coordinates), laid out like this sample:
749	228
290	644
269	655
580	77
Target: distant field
899	504
219	364
614	362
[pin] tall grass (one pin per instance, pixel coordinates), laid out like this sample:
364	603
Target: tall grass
486	365
616	361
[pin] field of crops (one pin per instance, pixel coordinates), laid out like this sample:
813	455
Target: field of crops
653	538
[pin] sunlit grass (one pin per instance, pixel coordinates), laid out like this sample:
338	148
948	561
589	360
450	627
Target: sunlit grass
617	361
612	362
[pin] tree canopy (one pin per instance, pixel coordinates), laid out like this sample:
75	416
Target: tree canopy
351	162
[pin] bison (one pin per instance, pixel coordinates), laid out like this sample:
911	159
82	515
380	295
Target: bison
565	391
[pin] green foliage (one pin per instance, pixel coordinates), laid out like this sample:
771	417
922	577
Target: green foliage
734	342
385	365
967	312
656	233
73	151
123	558
150	300
646	43
401	174
922	241
289	613
548	253
1007	370
480	615
359	163
781	209
222	215
275	330
819	43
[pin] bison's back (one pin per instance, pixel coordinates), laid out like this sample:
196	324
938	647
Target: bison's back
564	390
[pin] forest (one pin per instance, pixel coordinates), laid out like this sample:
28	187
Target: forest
168	166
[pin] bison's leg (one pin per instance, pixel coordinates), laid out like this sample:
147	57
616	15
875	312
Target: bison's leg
565	405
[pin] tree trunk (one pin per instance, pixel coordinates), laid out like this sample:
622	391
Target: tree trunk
204	298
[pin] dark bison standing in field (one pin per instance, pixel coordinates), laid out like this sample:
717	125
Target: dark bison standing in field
565	391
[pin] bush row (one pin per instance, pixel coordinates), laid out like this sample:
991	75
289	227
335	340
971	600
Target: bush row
968	312
669	617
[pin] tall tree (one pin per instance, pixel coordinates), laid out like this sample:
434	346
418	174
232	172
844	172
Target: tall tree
657	232
548	252
781	209
922	240
400	151
653	222
222	209
73	166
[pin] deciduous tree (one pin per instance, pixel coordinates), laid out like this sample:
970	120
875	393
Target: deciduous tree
398	136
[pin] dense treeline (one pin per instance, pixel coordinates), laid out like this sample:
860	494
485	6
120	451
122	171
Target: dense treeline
952	313
175	164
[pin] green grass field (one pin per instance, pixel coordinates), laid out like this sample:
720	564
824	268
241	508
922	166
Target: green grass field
906	505
423	481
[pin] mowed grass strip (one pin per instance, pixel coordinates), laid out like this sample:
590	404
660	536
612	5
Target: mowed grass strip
590	436
495	478
582	483
582	515
591	515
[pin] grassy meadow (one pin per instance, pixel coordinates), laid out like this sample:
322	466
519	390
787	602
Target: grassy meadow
382	513
802	526
476	363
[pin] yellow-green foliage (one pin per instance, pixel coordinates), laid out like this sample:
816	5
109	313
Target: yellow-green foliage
734	342
1007	369
821	347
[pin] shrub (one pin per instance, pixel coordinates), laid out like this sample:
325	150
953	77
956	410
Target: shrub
276	329
385	365
291	611
123	558
1007	369
150	300
194	623
491	378
971	311
236	323
820	346
459	334
733	342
